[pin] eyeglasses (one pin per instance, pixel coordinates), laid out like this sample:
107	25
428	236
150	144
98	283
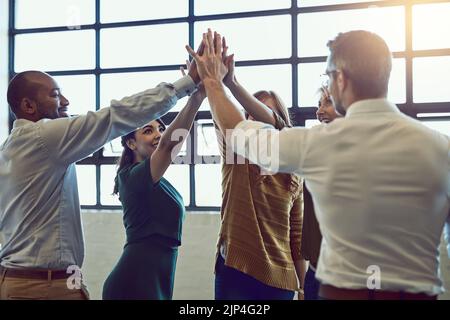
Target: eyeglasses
325	78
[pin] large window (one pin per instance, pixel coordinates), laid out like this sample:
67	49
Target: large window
100	50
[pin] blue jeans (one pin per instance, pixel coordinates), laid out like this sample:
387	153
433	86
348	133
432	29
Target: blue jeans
311	285
231	284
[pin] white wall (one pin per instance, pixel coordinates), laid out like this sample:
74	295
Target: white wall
194	278
3	69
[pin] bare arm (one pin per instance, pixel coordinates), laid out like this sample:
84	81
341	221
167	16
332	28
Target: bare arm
258	110
447	233
296	225
173	138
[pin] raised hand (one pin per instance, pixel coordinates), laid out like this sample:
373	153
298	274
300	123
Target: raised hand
200	93
209	63
192	67
228	61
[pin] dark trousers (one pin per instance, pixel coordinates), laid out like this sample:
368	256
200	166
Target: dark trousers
231	284
311	285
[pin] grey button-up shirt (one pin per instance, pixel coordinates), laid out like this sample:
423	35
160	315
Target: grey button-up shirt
40	222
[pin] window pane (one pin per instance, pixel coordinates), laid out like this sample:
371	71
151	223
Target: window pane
431	26
119	85
55	51
397	82
309	3
134	10
442	126
253	38
309	81
204	7
277	78
87	186
316	29
80	91
208	190
430	78
113	148
52	13
206	139
108	173
144	46
178	176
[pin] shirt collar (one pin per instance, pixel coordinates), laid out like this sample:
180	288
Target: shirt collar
21	122
372	106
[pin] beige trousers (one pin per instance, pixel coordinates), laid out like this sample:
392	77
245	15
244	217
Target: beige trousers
37	289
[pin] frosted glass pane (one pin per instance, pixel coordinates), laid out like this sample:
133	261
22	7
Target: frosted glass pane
316	29
52	13
430	79
80	91
87	189
134	10
178	176
55	51
119	85
144	46
431	26
309	81
208	190
108	173
309	3
252	38
204	7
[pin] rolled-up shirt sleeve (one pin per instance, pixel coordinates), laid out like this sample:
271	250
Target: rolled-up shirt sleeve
71	139
274	150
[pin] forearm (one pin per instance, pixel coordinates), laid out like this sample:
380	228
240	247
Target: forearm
223	110
255	108
181	125
300	267
447	234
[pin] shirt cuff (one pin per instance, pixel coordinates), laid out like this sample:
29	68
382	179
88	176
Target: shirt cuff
184	86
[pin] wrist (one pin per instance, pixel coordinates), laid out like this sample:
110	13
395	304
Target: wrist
195	77
197	99
211	83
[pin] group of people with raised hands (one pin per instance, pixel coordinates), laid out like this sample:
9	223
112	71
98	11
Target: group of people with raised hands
352	208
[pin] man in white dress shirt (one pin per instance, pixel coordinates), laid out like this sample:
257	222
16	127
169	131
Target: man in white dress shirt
380	180
41	236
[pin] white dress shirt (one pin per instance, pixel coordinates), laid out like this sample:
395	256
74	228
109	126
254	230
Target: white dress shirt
40	223
380	183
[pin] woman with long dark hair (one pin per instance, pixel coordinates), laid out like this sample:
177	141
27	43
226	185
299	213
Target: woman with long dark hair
153	209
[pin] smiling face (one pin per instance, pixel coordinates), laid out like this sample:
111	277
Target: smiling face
325	112
35	95
51	103
146	140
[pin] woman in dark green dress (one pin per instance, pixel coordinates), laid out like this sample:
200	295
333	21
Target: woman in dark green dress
153	209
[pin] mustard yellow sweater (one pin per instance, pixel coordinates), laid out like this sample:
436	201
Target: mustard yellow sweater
261	222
